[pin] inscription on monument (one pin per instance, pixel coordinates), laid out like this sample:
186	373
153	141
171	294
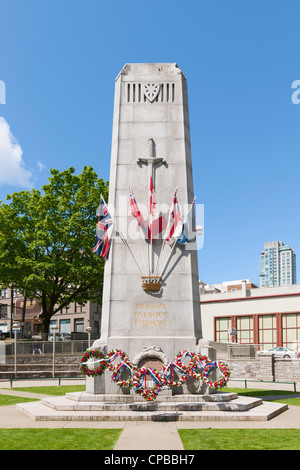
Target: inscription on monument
152	314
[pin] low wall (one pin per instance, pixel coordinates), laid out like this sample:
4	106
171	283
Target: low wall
265	367
244	363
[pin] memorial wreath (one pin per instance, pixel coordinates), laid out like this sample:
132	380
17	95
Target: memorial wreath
223	369
119	368
92	357
140	383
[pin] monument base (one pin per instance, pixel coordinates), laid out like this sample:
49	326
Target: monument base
82	406
152	356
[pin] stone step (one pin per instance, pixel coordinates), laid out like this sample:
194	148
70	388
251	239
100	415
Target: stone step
65	404
165	396
38	411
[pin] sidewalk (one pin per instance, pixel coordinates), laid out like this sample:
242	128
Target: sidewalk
138	435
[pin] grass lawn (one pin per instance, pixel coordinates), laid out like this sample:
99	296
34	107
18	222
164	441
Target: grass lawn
245	439
6	400
58	439
105	439
240	439
55	390
256	392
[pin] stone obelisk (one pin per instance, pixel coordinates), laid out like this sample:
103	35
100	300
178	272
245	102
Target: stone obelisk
151	138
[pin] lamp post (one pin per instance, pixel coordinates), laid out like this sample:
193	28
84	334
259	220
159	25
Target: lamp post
54	328
16	328
89	330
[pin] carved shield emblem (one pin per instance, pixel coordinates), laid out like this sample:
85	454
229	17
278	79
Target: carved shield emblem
151	91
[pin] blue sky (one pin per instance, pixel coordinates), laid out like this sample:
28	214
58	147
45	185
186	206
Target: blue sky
59	60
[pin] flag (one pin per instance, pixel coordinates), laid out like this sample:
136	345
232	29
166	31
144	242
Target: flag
104	230
174	227
185	236
135	212
159	223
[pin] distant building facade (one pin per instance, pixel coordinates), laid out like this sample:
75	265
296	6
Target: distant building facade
264	316
74	319
228	286
277	265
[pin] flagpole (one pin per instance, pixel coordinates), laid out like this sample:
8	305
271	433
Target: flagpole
166	263
158	261
142	252
126	244
164	242
151	221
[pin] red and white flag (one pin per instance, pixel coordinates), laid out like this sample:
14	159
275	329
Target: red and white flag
157	221
174	228
135	212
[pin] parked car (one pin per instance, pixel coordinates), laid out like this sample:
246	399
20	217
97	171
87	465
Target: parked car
58	337
4	334
281	352
67	336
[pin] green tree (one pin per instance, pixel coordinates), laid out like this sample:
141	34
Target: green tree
46	241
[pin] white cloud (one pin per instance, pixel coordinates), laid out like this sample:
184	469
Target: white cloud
41	166
12	169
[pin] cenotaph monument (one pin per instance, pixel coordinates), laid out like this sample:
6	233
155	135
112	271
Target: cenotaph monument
151	304
151	308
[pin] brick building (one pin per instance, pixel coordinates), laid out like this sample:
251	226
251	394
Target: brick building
75	319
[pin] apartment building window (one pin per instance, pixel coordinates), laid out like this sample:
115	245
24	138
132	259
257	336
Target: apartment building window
4	293
3	311
79	325
65	326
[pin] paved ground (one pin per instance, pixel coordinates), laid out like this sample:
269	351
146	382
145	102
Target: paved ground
142	435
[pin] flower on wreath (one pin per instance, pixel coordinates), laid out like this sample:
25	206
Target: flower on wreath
118	368
191	369
168	374
93	356
139	383
223	369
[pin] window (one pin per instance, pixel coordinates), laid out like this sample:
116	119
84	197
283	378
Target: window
4	293
3	311
244	326
65	326
267	331
222	326
291	330
79	325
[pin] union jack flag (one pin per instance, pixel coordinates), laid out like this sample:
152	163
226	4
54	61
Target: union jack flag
135	212
104	230
174	228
